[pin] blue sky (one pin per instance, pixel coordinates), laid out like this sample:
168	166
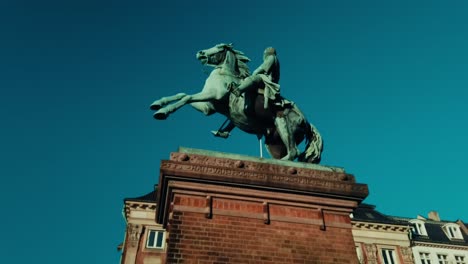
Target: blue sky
384	81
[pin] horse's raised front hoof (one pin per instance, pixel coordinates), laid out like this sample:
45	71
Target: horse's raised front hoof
155	106
160	115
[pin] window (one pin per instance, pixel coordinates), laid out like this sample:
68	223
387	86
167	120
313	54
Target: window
388	256
442	259
155	239
418	227
452	231
425	258
460	260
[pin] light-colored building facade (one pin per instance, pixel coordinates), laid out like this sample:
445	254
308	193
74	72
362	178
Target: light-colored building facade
435	241
380	239
145	240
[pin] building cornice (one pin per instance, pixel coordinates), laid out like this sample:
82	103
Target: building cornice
437	245
379	227
140	206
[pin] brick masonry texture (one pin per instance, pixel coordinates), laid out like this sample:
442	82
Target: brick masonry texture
226	239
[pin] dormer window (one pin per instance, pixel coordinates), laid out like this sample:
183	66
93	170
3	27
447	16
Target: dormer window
452	231
418	227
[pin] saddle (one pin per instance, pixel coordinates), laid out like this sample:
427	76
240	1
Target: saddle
275	102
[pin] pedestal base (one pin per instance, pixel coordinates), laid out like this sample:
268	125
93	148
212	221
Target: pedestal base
223	209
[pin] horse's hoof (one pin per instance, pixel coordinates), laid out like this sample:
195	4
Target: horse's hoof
160	115
155	106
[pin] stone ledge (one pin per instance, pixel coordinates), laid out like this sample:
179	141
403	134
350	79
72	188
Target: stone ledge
261	179
257	160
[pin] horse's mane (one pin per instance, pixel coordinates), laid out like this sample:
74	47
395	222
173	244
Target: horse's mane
242	60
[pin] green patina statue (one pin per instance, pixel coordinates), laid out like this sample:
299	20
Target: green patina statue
250	102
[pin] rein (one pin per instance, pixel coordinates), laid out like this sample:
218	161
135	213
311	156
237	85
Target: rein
222	70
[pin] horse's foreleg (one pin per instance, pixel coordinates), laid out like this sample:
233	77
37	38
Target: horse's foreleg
158	104
205	107
187	99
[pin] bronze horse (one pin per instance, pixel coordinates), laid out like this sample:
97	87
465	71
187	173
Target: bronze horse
230	67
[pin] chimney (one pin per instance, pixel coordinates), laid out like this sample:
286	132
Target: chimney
463	226
434	216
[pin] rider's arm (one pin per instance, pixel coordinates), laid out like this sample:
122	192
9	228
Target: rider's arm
266	65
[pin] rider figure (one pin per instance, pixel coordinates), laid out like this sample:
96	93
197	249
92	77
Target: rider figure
266	76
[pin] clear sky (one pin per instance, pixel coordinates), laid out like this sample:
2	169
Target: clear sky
385	82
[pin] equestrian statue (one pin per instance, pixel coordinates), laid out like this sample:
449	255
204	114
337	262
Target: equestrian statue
251	103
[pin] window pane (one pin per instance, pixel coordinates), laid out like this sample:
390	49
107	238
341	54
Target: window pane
451	232
385	260
151	239
442	259
159	242
424	258
460	260
388	257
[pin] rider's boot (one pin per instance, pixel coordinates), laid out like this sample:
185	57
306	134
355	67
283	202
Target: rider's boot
285	133
224	132
221	134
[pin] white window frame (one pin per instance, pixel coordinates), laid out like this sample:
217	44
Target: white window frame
442	258
419	227
389	253
154	245
460	259
452	231
425	257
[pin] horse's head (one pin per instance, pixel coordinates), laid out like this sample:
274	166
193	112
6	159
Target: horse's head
214	56
225	54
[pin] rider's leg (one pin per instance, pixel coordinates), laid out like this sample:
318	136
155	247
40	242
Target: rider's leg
284	130
248	87
225	131
248	84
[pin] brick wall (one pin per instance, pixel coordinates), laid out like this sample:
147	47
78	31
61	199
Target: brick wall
243	237
222	208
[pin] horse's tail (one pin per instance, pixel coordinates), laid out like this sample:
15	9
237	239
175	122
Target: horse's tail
314	145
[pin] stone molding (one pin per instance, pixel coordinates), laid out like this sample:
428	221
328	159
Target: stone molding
293	168
216	176
143	206
436	245
379	226
263	175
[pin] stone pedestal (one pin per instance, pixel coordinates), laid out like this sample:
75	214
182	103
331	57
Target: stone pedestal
224	208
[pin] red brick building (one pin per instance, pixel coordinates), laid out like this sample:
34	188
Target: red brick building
223	208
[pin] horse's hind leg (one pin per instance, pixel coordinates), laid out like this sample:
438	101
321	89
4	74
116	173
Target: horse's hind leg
283	126
160	103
